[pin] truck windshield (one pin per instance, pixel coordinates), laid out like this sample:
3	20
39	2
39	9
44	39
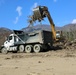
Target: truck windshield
10	38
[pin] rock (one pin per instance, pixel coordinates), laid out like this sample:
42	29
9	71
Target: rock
33	74
39	61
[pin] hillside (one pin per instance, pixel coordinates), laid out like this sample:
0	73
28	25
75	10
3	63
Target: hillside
39	27
4	32
68	27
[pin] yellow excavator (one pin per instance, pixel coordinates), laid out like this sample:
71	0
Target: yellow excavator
39	13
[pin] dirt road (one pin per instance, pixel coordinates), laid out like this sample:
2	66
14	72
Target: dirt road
59	62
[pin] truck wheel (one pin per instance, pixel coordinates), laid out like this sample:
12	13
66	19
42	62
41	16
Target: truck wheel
4	51
21	48
28	48
37	48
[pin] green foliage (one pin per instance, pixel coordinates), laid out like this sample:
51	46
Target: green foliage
70	36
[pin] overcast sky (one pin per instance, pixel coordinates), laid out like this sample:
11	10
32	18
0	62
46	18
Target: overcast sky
14	13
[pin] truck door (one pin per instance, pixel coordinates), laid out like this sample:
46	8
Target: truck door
10	41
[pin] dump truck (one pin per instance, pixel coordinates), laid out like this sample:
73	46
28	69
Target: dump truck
20	41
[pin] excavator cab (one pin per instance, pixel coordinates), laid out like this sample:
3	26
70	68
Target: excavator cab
58	34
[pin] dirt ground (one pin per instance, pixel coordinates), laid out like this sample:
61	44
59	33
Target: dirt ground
60	62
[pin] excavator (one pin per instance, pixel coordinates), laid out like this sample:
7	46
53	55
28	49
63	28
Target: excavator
39	13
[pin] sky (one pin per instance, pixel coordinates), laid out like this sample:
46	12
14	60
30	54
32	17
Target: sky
14	13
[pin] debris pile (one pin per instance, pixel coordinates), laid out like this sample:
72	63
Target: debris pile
70	45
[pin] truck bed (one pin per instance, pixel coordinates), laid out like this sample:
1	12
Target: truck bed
41	36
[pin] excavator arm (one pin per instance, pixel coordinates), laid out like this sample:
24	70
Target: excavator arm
39	13
52	24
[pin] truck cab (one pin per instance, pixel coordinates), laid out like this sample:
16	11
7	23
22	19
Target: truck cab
11	40
9	44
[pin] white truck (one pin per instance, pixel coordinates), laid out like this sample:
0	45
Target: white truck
20	41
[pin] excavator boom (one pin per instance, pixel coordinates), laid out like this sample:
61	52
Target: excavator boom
39	13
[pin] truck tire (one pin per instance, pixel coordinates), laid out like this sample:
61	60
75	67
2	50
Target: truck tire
4	51
21	48
37	48
28	48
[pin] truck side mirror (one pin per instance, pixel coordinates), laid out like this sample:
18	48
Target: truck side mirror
5	38
8	40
